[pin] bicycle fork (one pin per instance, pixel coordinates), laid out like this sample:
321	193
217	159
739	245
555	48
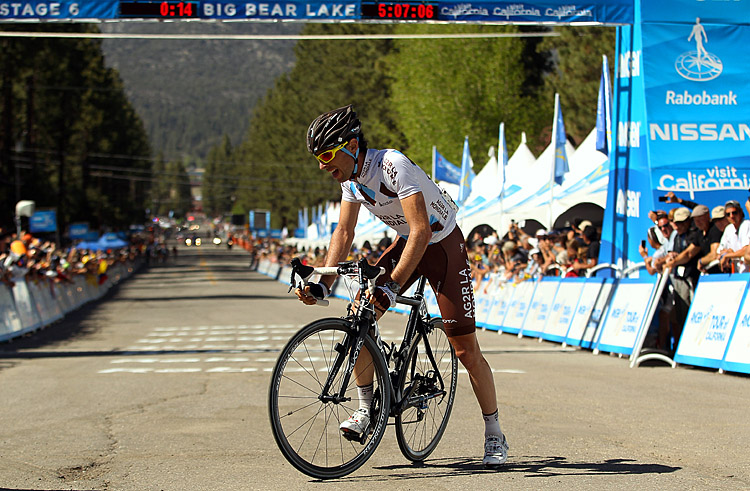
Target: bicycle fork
348	355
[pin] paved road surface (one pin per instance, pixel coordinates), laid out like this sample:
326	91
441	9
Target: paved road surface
162	385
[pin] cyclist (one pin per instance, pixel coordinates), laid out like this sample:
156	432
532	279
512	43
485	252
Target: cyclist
429	243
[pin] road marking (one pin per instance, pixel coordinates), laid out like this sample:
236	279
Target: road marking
171	344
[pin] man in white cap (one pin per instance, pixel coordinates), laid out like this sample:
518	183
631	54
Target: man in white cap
682	261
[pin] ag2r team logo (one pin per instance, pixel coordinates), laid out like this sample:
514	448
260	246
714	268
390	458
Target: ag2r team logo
698	65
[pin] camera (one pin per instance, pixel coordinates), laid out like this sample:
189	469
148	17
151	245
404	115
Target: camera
663	198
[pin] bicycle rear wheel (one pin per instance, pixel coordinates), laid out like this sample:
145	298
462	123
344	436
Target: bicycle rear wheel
305	427
422	421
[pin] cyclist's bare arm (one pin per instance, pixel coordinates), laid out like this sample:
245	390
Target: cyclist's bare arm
339	247
415	212
342	237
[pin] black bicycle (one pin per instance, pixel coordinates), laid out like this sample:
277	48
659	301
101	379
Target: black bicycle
313	391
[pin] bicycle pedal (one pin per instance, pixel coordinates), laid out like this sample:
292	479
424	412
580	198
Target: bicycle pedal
355	437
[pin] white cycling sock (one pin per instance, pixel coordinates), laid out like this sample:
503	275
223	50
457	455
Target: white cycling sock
365	397
491	425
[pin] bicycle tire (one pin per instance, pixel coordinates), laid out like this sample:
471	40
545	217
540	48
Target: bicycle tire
420	424
305	428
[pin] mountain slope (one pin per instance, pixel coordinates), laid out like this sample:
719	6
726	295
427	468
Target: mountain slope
190	93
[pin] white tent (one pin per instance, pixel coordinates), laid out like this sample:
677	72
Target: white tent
518	165
586	182
523	184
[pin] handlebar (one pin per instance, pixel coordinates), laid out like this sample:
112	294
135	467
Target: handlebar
360	268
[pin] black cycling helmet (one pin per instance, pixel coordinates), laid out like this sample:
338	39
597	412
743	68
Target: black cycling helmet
333	128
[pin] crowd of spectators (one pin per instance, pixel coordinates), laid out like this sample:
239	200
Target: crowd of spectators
514	257
685	241
517	256
688	241
23	257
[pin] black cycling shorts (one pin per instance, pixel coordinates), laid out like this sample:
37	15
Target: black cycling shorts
446	266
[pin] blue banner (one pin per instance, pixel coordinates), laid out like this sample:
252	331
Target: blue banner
604	110
59	9
698	101
604	11
467	173
557	12
445	171
502	156
43	221
629	192
686	11
561	156
78	230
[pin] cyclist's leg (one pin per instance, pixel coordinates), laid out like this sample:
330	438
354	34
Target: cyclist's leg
447	267
363	370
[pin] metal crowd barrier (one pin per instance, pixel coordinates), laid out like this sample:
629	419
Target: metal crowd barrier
32	304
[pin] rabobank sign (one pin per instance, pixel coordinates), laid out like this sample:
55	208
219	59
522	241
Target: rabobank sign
698	65
698	105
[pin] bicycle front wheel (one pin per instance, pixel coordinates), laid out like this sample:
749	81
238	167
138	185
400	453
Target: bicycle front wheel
304	422
428	383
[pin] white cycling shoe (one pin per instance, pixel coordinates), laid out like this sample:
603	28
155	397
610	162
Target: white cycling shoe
357	424
495	450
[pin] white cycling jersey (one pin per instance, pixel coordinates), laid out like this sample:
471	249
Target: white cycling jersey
387	177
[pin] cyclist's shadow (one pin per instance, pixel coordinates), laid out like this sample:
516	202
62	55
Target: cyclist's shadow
530	466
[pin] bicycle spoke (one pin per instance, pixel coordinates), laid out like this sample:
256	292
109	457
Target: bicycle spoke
305	425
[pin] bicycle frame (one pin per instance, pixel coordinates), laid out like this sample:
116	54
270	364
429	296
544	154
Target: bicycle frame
363	321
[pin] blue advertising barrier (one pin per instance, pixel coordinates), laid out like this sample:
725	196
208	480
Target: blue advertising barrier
563	309
627	315
594	297
611	315
737	355
711	320
503	297
540	307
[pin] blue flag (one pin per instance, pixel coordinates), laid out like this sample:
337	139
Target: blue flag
561	157
442	170
467	173
604	110
502	157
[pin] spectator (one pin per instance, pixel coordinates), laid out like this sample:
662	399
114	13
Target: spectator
655	263
480	266
536	266
515	259
719	218
655	238
709	241
591	245
546	249
571	259
682	262
735	239
578	226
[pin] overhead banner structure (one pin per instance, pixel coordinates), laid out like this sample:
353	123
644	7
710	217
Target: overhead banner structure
592	11
681	97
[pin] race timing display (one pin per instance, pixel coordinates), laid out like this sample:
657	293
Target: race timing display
593	11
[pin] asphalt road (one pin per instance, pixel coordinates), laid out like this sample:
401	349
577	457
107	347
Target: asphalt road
163	384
